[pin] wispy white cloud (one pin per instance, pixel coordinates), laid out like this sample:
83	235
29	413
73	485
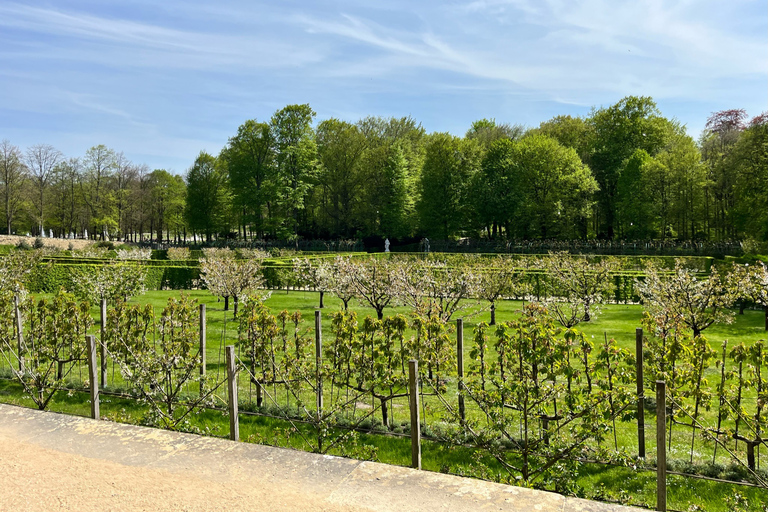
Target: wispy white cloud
147	45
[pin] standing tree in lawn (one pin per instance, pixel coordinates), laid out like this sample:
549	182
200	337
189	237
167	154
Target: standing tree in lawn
500	279
752	283
226	276
160	371
112	281
208	196
698	302
375	282
433	288
313	275
576	286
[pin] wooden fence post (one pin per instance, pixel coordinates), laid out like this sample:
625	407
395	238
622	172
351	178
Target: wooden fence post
661	446
93	375
319	362
234	420
460	366
413	382
640	393
19	331
202	348
103	338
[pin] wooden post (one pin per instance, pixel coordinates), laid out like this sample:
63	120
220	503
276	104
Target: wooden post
751	455
93	375
413	382
19	332
661	446
640	393
460	366
202	348
319	362
103	338
234	423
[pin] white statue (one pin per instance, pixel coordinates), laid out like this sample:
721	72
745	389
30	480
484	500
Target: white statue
85	234
386	245
50	233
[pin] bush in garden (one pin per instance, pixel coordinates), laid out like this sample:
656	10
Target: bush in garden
374	281
160	369
226	276
698	302
313	275
53	345
339	274
14	269
575	287
91	252
431	287
501	280
535	398
113	281
250	254
134	253
179	253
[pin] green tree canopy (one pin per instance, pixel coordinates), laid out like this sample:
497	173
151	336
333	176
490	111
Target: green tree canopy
251	162
208	196
619	130
450	164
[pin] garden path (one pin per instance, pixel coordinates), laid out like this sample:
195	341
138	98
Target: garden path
51	461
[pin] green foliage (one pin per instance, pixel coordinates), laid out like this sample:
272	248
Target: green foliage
250	157
49	277
208	196
341	146
520	394
555	189
750	159
450	163
634	123
113	282
16	268
160	369
54	341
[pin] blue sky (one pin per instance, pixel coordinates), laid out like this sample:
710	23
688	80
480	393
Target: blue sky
163	80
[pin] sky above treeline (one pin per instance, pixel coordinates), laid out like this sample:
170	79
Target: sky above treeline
163	80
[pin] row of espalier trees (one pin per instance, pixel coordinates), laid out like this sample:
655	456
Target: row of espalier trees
537	395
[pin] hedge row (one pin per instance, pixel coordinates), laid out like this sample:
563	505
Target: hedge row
52	275
49	277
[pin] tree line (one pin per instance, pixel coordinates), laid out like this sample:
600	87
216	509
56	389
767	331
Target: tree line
622	172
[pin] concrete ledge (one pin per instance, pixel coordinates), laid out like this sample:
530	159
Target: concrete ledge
52	461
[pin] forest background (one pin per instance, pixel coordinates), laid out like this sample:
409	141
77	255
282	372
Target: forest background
624	172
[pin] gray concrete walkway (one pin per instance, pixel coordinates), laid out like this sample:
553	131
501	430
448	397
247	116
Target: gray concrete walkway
50	461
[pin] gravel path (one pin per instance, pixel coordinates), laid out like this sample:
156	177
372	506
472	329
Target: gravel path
55	462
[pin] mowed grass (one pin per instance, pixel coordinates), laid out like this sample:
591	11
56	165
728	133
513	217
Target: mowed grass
617	321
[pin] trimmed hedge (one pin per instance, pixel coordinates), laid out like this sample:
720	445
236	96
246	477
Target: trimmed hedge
49	277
